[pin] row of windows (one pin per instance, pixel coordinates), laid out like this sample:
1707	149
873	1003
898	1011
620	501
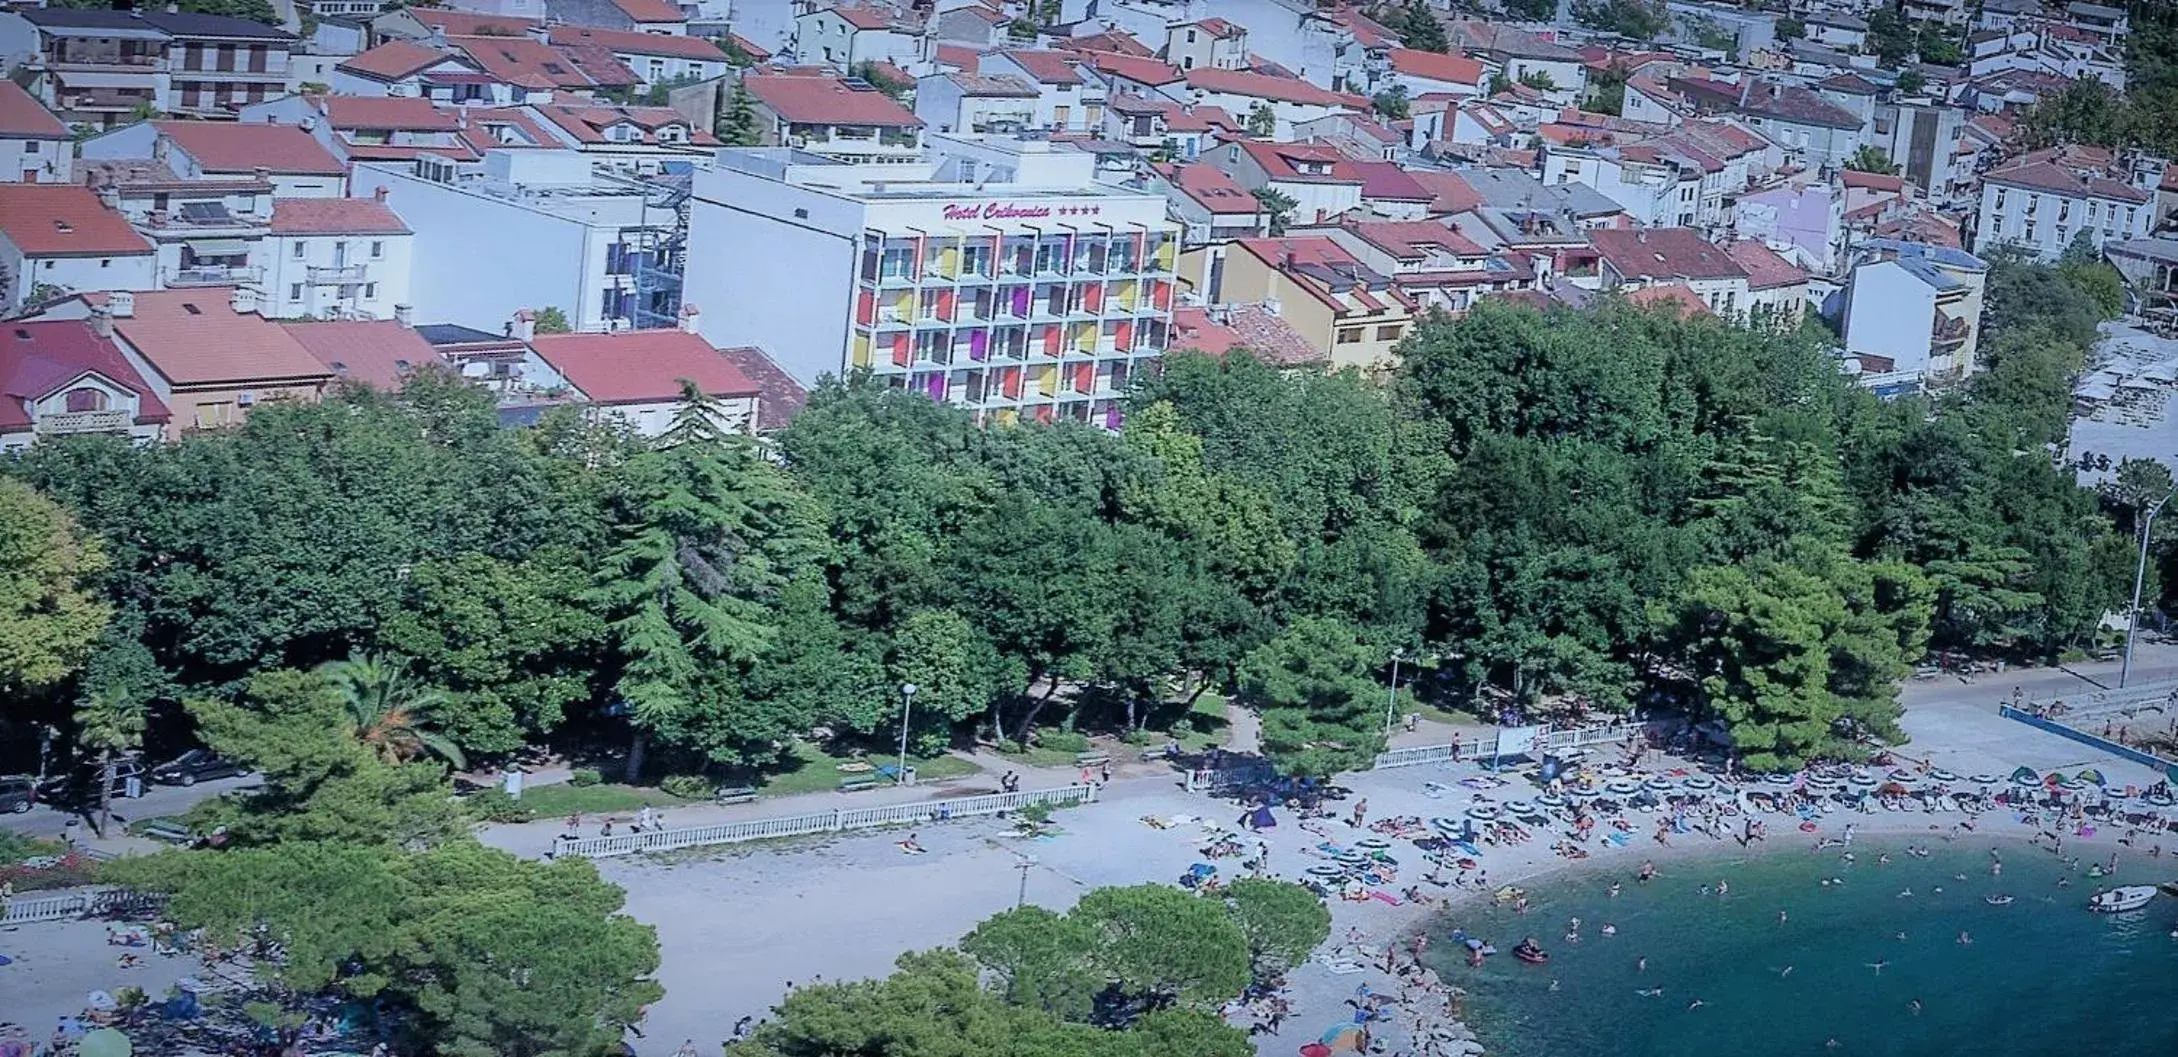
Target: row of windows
347	291
302	246
1354	335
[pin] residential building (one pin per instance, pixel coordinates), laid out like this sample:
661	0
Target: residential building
1912	315
337	258
656	17
2042	201
1175	130
640	138
1777	289
34	146
1808	127
1948	12
60	238
1037	293
207	354
826	115
1350	313
1803	221
1288	100
1065	100
101	67
634	378
1213	210
382	353
1221	330
219	64
1319	179
286	156
975	103
1523	56
1435	265
850	34
1632	260
539	71
1424	72
1208	43
1836	29
405	68
605	249
655	58
203	232
64	378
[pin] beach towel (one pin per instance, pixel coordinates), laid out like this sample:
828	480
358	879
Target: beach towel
1378	893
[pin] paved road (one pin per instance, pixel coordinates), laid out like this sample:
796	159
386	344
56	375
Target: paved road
47	821
1961	717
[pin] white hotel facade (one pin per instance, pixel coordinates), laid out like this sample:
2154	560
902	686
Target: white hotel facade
997	275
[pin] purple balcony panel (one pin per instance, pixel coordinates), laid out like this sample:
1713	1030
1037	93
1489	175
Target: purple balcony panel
979	345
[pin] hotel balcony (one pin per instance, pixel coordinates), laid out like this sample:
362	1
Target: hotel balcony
64	423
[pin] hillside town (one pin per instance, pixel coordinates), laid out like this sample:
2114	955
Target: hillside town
1013	208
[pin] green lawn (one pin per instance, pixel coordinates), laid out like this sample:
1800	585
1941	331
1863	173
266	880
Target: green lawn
552	801
812	770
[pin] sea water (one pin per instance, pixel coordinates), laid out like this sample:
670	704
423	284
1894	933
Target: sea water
2040	976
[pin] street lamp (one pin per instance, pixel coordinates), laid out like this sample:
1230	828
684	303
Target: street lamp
907	702
1391	700
2140	576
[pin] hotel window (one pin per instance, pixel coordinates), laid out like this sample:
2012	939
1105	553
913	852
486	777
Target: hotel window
2094	209
1388	332
2064	210
294	291
378	249
2033	201
2000	198
2030	231
298	250
370	291
1350	335
2130	212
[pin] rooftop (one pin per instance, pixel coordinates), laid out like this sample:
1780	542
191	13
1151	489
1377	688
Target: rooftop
65	220
1252	329
635	43
195	337
393	60
38	359
1436	66
1648	254
1765	269
23	117
1265	86
335	216
234	147
386	114
1210	188
826	100
1047	67
642	366
779	397
378	353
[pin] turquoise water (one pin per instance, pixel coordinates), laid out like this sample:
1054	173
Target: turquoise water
2041	976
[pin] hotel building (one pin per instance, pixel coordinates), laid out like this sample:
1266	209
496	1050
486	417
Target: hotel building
996	274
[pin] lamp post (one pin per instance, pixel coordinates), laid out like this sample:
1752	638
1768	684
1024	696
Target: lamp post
2140	577
907	703
1391	699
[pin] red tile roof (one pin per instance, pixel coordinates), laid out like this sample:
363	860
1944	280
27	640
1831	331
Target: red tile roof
1217	27
39	359
233	147
379	353
641	366
826	100
2050	176
863	16
1663	253
625	42
651	11
1872	181
1243	328
1152	72
1453	193
1047	67
23	117
1436	66
1265	86
386	114
393	60
195	337
1211	188
1282	161
779	397
1387	181
957	55
1765	269
1109	42
65	220
1412	240
750	48
588	123
471	24
1679	298
535	64
335	216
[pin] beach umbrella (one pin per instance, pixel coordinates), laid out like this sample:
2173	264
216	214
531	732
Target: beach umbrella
2026	776
2092	775
1346	1038
105	1042
1315	1049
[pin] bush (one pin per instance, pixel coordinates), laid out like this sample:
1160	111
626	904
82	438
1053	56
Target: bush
688	786
1034	813
1064	741
1140	737
1010	747
584	776
1182	728
494	805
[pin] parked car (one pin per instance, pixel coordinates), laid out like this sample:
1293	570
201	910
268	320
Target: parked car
196	765
81	784
17	793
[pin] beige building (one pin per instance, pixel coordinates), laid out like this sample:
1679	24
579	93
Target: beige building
1352	314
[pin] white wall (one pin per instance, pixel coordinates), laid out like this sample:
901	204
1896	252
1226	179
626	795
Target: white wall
798	303
70	273
52	160
385	282
1889	312
2005	223
478	260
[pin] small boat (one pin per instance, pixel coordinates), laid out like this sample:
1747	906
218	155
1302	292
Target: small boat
2121	899
1997	900
1531	954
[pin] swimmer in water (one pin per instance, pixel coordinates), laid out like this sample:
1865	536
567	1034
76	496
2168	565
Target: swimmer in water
1780	917
1705	890
1877	966
1966	939
1614	890
1610	929
1723	887
1832	1044
1907	894
1650	992
1901	937
1883	860
1915	1006
1641	965
1694	1005
1554	987
1784	972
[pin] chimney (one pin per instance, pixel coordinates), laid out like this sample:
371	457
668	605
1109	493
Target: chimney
101	321
379	195
264	175
109	196
122	304
524	326
173	8
405	315
689	315
243	301
540	33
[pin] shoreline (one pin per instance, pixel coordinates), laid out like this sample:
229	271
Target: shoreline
1435	1021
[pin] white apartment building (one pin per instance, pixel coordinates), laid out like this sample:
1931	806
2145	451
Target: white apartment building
1023	291
2041	202
532	229
34	146
1913	314
344	258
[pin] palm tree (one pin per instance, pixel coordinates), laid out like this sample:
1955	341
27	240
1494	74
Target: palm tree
110	721
388	708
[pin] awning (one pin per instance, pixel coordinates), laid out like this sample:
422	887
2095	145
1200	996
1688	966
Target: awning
218	247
